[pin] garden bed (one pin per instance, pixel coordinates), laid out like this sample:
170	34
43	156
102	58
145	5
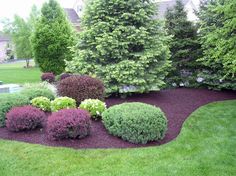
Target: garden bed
176	103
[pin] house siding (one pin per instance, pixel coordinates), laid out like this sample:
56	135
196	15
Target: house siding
3	47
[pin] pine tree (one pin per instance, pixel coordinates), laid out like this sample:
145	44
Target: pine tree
122	44
52	38
184	46
218	36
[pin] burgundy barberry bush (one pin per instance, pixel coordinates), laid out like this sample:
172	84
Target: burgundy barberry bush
65	75
49	77
68	123
24	118
81	88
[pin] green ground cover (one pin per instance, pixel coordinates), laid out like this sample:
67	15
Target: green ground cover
205	146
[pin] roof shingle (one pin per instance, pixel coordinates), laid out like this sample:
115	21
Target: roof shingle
72	15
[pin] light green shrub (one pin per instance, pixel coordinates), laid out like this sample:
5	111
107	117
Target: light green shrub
42	102
94	106
63	103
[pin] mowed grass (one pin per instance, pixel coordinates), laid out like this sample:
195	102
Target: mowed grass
16	73
205	147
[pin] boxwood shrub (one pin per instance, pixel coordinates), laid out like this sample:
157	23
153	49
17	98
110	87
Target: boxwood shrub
68	123
81	88
8	101
63	103
24	118
135	122
94	106
42	103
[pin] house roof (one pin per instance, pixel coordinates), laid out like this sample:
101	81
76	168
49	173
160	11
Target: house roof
4	38
163	5
72	15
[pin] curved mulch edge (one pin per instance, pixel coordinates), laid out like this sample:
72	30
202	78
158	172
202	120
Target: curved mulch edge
177	104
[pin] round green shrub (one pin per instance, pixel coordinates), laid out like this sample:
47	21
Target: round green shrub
42	103
8	101
135	122
63	103
94	106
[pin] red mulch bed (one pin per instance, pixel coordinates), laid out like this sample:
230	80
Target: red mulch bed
177	104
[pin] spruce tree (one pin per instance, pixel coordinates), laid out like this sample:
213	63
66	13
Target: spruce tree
218	36
185	47
52	39
122	44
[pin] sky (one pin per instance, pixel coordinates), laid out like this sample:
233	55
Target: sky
8	8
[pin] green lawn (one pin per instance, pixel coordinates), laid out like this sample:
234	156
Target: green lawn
205	147
15	73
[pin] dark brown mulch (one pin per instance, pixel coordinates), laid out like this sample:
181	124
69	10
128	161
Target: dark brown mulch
178	104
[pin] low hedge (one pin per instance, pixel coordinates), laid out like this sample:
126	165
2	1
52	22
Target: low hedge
8	101
24	118
135	122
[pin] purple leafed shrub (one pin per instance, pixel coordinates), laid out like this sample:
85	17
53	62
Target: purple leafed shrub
68	123
49	77
65	75
24	118
81	88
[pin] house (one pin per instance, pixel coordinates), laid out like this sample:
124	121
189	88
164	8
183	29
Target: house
75	14
190	7
5	43
73	17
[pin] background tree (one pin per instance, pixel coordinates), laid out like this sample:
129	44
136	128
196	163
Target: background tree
123	45
218	36
20	31
185	47
52	38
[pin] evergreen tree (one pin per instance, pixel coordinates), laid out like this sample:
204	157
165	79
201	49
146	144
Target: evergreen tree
122	44
184	46
52	39
218	36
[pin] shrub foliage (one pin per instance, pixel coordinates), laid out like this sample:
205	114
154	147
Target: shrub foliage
8	101
36	90
218	35
184	46
24	118
52	38
68	123
42	102
63	103
49	77
65	75
135	122
81	88
94	106
122	44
